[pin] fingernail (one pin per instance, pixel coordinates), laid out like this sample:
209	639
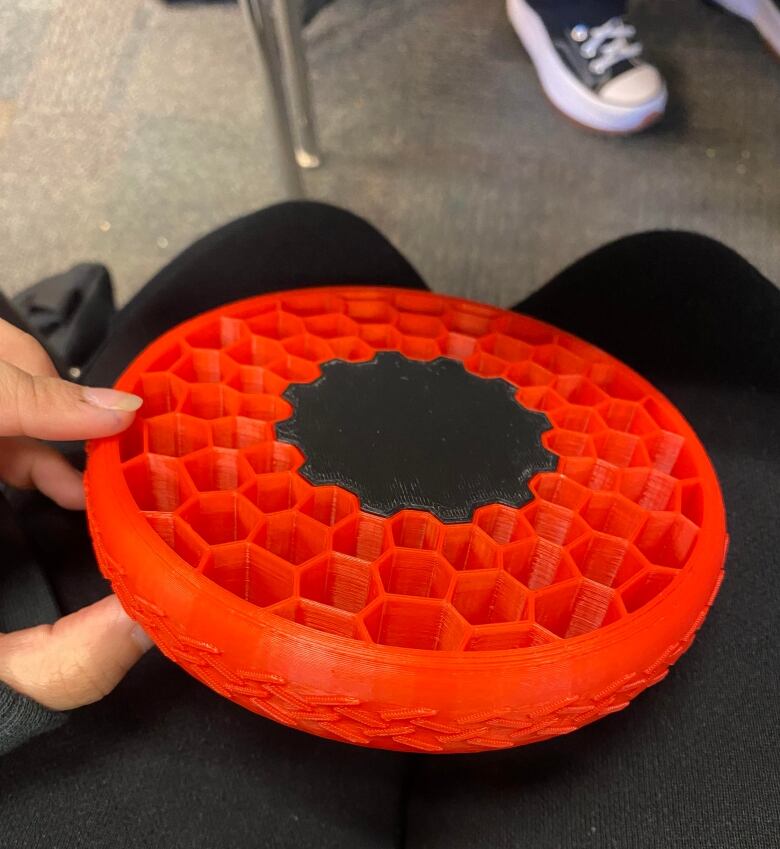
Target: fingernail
143	640
111	399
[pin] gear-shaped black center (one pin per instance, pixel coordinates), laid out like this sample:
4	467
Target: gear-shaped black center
403	433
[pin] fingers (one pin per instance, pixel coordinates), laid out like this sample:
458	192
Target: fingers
76	661
24	351
49	408
26	464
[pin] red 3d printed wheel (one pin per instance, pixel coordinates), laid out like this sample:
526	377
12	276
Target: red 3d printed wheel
404	520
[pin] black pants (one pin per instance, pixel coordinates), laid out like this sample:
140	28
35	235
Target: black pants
164	762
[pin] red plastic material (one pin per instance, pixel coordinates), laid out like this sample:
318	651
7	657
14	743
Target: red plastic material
403	632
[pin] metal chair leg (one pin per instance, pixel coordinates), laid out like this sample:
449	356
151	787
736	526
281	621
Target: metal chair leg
288	16
261	24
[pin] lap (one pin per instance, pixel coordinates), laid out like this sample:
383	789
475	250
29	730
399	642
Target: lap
164	761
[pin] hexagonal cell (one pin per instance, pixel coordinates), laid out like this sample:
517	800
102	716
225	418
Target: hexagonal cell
589	472
255	379
255	351
165	360
620	449
265	408
612	514
580	419
329	504
339	581
538	563
627	416
692	501
662	414
240	432
560	489
667	539
161	393
485	365
131	441
577	389
210	401
219	517
330	326
157	483
470	322
273	457
312	303
308	347
525	329
360	536
645	588
419	302
422	326
416	623
215	469
274	493
204	366
569	443
467	547
575	608
179	537
250	573
457	346
370	311
529	374
484	597
664	449
607	560
176	434
218	333
295	369
648	488
380	336
540	398
501	637
312	614
616	381
352	349
505	348
418	348
502	524
555	523
558	360
413	529
275	325
292	537
413	572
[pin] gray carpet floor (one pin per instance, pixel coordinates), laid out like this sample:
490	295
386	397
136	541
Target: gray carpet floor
128	129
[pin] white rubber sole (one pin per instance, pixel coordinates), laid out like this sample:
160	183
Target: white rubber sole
763	14
563	89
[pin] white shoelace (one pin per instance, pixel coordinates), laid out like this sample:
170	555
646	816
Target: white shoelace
609	44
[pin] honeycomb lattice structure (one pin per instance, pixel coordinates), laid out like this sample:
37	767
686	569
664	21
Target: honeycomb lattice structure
606	535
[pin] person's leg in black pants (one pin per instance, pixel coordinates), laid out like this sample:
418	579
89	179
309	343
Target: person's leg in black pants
687	764
693	762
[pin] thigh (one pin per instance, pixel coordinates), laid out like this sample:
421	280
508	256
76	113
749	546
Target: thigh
293	245
693	761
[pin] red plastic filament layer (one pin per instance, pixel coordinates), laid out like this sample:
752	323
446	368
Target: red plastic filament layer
404	632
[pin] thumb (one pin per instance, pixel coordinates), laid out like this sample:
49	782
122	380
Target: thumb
77	660
49	408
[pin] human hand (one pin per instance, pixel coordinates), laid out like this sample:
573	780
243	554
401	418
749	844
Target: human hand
83	656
